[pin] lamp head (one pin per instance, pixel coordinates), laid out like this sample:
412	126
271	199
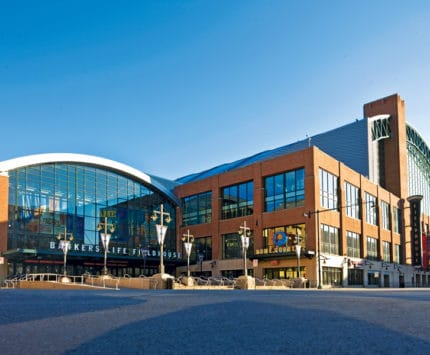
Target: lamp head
154	217
99	227
168	219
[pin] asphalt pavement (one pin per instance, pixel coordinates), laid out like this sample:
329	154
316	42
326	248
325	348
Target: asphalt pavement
382	321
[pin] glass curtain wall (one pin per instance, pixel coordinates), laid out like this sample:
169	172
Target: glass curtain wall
47	199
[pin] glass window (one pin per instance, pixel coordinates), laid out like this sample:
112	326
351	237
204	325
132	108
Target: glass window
385	214
237	200
397	253
284	238
396	219
353	244
197	209
329	240
328	190
371	209
232	247
203	246
331	276
372	248
386	251
355	277
352	201
284	190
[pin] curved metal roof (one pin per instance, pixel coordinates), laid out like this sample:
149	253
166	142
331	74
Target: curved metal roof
37	159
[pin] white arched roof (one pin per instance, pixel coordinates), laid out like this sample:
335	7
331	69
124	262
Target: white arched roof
37	159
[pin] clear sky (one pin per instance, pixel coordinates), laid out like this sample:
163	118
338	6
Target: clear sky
176	87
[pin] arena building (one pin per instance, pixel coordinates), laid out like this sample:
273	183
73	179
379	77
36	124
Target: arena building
45	199
354	199
349	207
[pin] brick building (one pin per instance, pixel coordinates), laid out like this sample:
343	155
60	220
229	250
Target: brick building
343	196
348	207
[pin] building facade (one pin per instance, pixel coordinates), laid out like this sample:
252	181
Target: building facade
348	207
48	198
344	196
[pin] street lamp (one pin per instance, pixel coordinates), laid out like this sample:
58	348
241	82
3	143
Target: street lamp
298	249
65	241
309	214
245	233
188	243
161	232
105	238
201	257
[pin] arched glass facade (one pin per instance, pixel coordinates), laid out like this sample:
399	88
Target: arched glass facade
50	199
418	168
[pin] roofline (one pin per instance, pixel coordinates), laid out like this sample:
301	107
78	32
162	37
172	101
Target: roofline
37	159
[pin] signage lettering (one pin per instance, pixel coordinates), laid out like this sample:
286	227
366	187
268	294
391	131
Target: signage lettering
90	248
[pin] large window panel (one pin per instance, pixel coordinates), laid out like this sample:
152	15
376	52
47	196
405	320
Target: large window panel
197	209
237	200
284	190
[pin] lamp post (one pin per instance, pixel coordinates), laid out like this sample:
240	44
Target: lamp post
188	243
244	233
201	257
309	214
105	238
298	249
161	232
65	241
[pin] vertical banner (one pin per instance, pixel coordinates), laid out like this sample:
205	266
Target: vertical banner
426	247
416	235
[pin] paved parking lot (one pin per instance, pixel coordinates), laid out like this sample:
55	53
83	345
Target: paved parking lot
215	322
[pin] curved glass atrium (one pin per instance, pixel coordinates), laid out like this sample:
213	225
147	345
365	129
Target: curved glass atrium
50	199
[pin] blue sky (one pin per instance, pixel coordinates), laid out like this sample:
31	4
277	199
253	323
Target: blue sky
176	87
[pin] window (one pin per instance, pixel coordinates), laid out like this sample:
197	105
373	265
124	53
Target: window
329	240
397	253
286	190
355	277
202	245
386	251
371	209
197	209
372	248
331	276
232	246
353	244
237	200
328	190
396	219
352	201
385	212
285	237
373	278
